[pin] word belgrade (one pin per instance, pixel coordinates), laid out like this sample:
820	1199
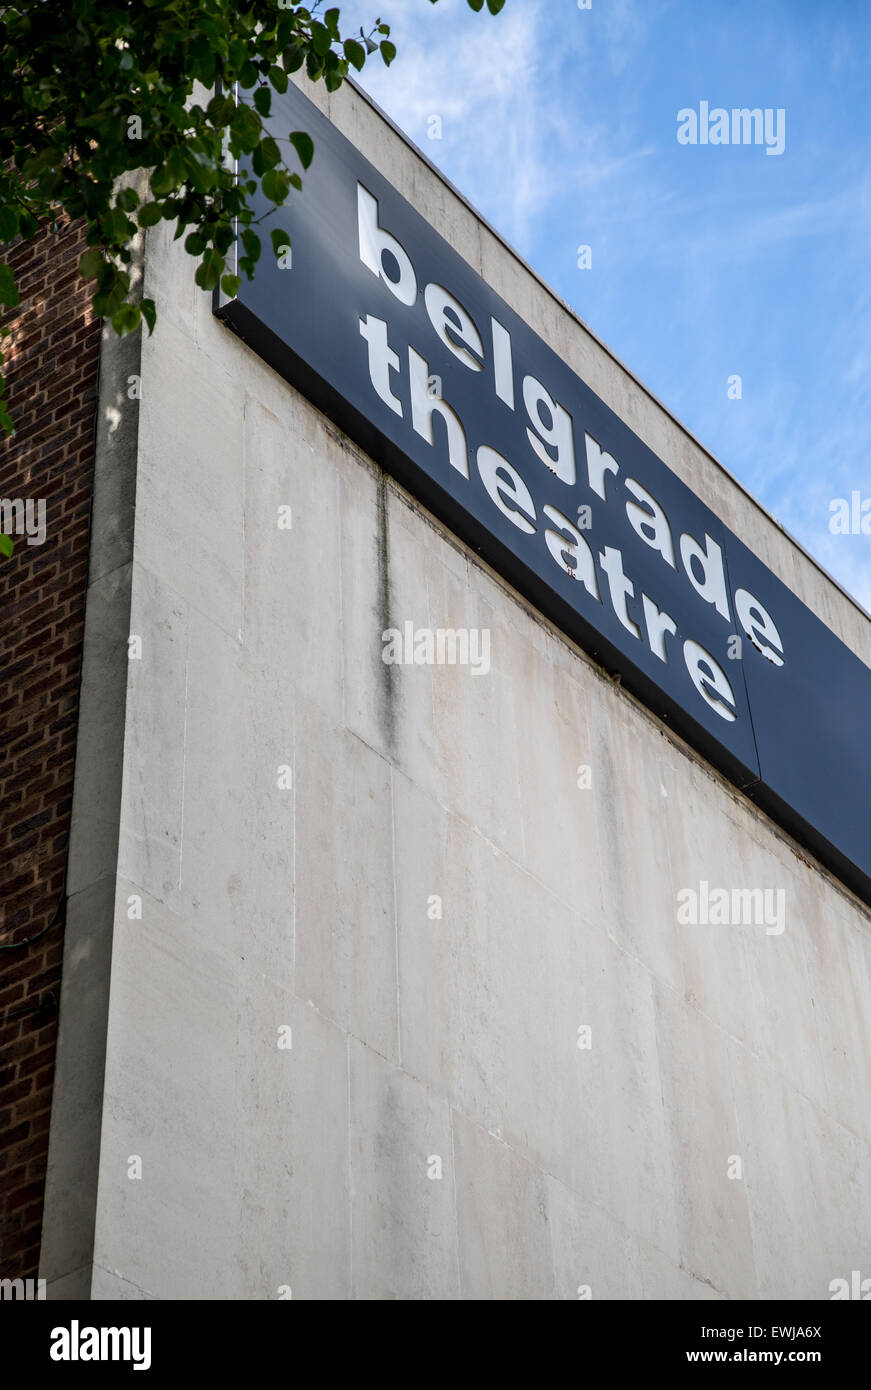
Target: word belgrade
550	435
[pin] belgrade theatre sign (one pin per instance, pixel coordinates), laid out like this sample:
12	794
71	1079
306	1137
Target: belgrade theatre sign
384	327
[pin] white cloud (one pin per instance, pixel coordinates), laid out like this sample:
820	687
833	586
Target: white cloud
512	139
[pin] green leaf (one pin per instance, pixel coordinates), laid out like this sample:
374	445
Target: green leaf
388	49
126	319
8	289
203	60
149	313
251	242
116	227
113	285
107	277
494	6
230	285
6	544
276	185
209	271
50	183
223	237
46	159
270	154
304	146
263	100
245	126
220	110
150	214
8	224
127	200
355	53
320	38
476	5
280	240
293	57
162	181
91	263
278	78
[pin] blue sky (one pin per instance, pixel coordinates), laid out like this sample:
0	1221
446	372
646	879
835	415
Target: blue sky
560	126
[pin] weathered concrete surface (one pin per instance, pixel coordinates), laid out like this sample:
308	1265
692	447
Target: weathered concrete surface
69	1213
380	919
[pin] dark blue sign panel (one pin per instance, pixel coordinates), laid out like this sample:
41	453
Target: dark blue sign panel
394	336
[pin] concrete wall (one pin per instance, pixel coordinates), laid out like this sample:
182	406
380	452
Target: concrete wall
414	1038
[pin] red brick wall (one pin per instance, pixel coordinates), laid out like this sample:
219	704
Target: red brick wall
51	369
